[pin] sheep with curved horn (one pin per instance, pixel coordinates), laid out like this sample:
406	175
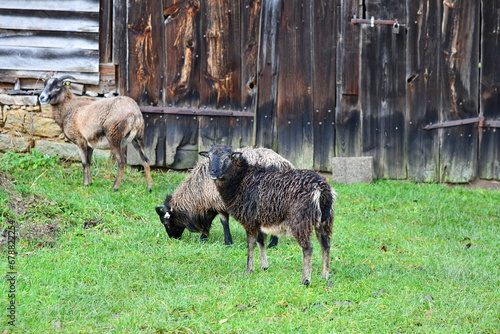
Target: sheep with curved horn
109	123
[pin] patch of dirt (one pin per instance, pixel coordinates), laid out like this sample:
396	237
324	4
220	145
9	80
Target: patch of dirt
24	209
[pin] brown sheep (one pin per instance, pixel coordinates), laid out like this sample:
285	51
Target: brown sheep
109	123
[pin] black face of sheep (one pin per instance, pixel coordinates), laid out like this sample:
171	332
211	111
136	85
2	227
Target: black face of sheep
166	218
220	161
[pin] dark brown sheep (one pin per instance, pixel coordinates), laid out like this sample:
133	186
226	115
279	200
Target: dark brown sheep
109	123
291	202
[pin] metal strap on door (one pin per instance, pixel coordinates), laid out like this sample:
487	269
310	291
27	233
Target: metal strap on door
372	22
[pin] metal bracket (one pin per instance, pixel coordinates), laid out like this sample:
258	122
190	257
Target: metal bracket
372	22
480	120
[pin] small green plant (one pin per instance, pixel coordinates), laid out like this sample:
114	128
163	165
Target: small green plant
35	160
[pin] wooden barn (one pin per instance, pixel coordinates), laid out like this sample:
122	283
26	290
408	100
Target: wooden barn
414	84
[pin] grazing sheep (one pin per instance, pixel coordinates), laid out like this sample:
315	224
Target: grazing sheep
290	202
109	123
196	202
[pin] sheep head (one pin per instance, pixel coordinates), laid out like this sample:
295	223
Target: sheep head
221	161
54	89
167	218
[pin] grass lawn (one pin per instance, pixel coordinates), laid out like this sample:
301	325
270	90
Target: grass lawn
406	257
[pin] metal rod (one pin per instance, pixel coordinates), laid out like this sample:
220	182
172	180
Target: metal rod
372	21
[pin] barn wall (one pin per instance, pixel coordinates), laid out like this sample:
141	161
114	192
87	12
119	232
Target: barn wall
38	37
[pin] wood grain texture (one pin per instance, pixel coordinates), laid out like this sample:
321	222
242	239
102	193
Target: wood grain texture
220	85
294	109
459	87
348	123
423	95
265	118
489	147
146	52
182	46
214	130
324	26
383	85
250	27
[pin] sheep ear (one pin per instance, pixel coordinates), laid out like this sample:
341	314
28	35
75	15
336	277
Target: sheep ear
236	155
160	211
66	83
203	154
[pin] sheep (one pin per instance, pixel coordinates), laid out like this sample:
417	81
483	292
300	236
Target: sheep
281	202
109	123
196	202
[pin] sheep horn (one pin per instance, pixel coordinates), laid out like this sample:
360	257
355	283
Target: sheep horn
67	77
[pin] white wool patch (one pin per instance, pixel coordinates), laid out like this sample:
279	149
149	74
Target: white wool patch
282	229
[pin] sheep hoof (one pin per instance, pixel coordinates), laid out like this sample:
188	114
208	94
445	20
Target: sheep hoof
150	189
248	271
306	282
115	189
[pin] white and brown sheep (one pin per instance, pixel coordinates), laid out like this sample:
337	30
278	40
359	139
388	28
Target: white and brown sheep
291	202
109	123
196	202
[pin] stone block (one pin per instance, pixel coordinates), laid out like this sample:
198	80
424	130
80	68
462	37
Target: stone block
16	119
45	127
13	144
19	100
352	170
66	151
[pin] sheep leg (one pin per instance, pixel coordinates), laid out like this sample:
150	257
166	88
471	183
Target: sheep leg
324	242
120	161
261	242
273	242
145	161
251	248
86	157
224	219
306	264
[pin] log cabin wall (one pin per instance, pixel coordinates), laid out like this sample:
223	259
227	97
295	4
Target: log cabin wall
417	88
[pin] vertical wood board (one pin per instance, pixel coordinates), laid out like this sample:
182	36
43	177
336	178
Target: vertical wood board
220	48
145	52
294	109
383	64
459	88
489	147
423	94
324	27
182	44
265	117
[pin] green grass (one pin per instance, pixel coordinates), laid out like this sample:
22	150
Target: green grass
406	257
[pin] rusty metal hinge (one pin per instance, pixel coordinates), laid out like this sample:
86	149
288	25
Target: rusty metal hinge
480	120
372	22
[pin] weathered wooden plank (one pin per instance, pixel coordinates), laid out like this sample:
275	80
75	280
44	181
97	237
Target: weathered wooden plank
59	5
105	32
220	44
51	39
324	84
423	88
47	59
12	76
489	146
120	43
383	85
250	24
152	125
214	130
182	43
181	131
348	139
49	20
459	86
265	118
145	52
294	110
